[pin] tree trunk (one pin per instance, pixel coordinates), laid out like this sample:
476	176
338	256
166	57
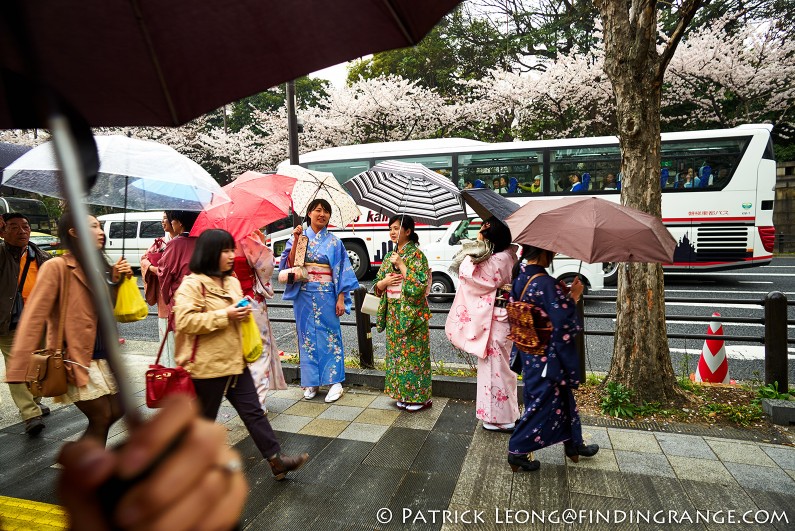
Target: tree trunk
641	358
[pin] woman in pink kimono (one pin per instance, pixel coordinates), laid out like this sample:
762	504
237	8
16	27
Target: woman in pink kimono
253	268
478	323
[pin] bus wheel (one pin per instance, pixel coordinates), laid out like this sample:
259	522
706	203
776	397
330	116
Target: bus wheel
611	273
440	285
358	257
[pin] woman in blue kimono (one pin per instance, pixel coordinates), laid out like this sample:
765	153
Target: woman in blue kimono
320	300
550	375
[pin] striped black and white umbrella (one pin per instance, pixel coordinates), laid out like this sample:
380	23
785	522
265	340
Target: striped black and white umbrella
393	188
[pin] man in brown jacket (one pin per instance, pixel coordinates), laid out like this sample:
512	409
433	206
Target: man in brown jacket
19	264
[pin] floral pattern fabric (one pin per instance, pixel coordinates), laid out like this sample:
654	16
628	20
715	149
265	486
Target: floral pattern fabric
475	325
550	412
321	353
405	319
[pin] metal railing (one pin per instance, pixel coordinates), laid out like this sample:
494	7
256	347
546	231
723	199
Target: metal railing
775	322
774	338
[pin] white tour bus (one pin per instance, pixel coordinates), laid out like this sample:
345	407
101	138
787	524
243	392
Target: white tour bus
717	200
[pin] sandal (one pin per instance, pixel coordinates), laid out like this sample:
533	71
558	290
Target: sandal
419	407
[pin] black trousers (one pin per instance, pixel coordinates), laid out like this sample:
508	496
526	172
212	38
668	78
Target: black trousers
242	394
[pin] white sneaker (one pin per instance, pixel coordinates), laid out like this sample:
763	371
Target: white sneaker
310	393
334	393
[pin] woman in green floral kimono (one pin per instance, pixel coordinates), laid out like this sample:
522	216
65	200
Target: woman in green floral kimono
403	312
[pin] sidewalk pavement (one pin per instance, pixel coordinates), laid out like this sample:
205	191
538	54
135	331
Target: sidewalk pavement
373	466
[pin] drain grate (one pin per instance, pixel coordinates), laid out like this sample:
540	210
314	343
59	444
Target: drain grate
723	432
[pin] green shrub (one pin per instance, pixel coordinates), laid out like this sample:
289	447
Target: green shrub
618	401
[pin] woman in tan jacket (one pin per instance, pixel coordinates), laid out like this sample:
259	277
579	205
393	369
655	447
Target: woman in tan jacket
209	344
91	387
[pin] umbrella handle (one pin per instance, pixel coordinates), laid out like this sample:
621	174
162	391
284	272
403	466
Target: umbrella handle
124	217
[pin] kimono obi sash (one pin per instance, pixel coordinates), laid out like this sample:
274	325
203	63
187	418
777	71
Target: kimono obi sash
393	292
318	272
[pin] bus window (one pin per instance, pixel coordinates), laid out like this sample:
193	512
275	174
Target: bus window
441	164
703	164
343	171
587	165
522	166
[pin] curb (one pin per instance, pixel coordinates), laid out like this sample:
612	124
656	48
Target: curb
462	388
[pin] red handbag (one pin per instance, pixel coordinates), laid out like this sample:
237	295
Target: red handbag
162	382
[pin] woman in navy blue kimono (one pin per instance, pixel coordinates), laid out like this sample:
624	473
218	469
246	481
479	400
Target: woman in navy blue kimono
550	376
319	301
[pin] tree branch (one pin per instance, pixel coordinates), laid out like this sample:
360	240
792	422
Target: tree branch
686	14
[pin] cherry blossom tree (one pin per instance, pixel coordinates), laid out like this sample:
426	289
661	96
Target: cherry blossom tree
728	78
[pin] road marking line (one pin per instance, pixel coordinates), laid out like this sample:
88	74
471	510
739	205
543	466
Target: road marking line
737	352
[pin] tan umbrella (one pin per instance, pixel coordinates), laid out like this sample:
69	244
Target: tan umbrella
592	230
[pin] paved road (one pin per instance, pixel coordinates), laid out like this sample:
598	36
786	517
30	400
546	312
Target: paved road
746	359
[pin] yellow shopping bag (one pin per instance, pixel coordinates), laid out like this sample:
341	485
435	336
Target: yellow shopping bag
130	304
252	341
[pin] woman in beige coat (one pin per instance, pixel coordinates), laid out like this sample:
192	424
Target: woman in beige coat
91	387
209	344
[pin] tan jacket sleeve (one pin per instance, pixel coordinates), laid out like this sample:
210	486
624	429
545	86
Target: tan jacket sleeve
190	317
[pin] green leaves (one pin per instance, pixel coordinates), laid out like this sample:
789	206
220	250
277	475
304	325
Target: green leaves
618	401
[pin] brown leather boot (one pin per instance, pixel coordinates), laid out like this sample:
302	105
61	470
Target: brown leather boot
281	464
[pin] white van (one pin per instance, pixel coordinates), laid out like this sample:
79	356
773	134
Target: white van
440	254
135	235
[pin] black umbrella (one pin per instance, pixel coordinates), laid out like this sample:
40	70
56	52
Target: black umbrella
10	152
487	203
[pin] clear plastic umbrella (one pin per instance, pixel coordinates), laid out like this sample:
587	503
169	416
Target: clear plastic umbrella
155	176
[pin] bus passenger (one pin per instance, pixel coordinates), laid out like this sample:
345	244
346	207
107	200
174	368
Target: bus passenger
576	185
610	182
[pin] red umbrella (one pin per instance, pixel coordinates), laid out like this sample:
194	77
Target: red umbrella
256	200
592	230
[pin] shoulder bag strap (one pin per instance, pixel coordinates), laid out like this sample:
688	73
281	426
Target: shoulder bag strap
521	297
169	328
25	271
64	301
196	339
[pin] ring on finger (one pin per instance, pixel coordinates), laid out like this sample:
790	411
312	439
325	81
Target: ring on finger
232	465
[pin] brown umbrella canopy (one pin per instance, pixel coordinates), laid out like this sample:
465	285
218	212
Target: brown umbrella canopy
592	230
164	62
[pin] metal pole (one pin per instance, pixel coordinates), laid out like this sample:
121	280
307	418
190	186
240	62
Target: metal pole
363	330
292	122
776	340
74	191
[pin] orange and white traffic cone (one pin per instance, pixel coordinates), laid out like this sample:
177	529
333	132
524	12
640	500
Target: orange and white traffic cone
713	366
